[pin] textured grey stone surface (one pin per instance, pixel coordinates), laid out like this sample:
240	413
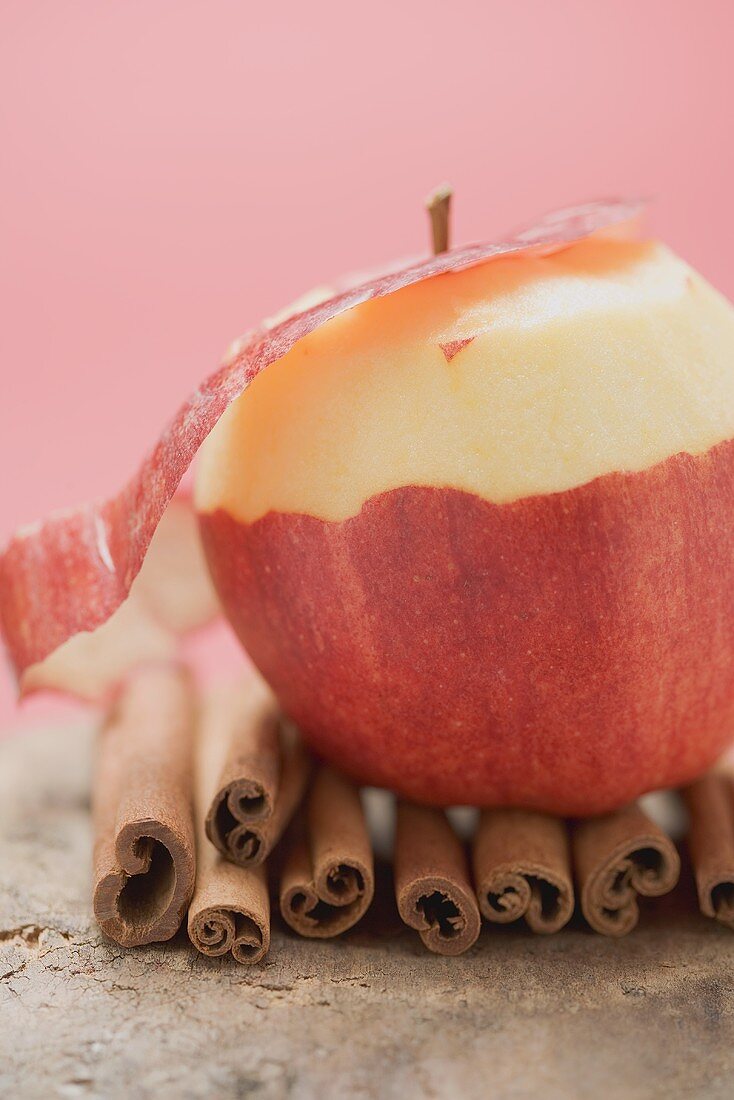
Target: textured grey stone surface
574	1015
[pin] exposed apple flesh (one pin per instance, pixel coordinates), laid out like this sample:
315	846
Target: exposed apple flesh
504	574
605	356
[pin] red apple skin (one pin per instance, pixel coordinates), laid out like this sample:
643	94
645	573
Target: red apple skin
565	652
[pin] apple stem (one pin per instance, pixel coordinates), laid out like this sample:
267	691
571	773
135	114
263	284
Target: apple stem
438	205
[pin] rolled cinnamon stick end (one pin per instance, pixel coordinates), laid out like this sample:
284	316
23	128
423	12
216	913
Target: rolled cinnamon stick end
432	884
263	776
328	879
230	909
522	868
710	804
618	857
231	912
144	861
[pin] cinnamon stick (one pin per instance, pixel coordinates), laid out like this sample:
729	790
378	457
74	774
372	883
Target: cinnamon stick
618	857
710	804
522	868
432	884
230	909
328	878
263	776
142	808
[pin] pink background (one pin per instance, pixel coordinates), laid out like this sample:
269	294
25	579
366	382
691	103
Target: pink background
172	171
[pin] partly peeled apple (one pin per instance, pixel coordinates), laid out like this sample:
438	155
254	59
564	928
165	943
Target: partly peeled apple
473	524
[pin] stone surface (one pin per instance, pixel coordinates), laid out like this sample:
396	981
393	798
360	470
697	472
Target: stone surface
369	1015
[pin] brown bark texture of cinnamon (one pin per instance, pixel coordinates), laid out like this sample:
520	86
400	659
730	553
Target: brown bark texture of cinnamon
617	857
144	861
433	887
263	775
230	909
328	878
522	868
710	805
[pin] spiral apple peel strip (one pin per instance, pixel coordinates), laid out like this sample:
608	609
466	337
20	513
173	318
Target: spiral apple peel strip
70	573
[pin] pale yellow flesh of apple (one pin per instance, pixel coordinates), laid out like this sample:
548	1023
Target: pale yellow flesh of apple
608	355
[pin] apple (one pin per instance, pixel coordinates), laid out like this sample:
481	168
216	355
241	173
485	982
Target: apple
477	534
470	518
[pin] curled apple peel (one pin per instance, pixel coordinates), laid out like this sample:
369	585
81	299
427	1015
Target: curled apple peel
171	597
69	573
